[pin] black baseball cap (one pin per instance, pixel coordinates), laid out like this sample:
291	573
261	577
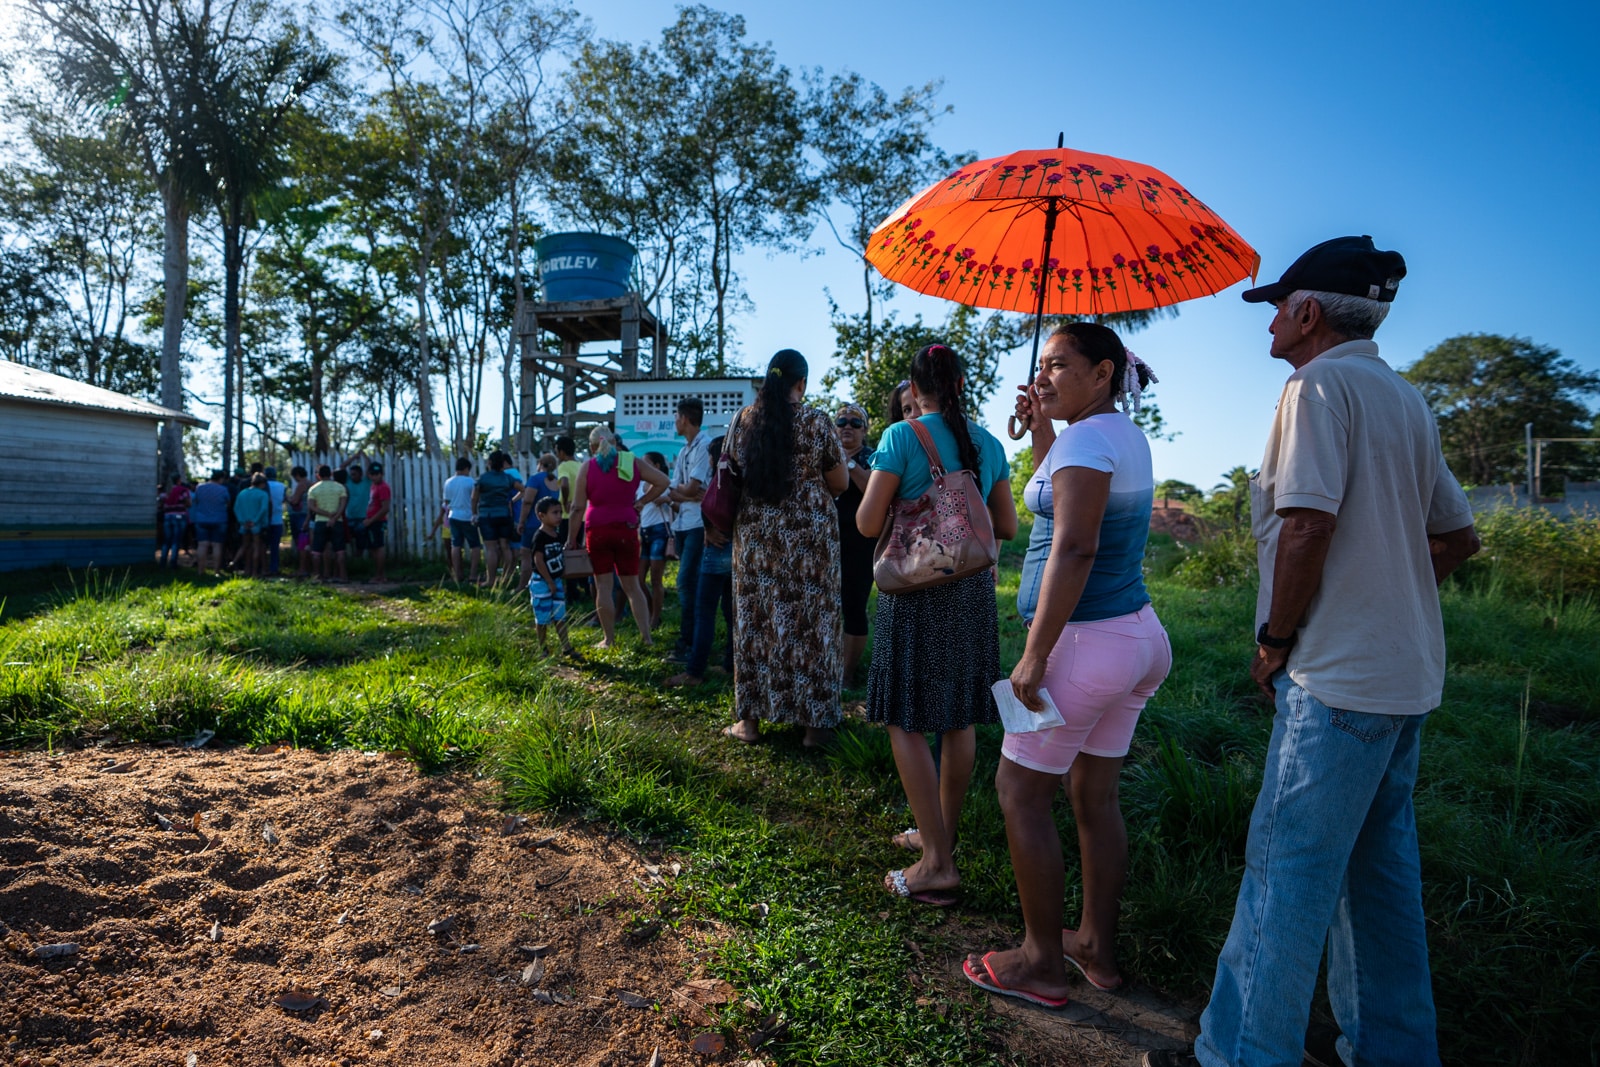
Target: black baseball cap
1349	265
374	468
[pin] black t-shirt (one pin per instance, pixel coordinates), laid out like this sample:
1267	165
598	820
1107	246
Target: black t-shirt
847	502
554	549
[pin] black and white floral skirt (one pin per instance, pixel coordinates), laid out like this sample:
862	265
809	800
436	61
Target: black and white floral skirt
935	653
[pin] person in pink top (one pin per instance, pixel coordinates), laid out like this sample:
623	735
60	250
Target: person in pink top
607	498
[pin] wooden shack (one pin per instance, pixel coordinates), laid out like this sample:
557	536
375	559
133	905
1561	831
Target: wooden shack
77	471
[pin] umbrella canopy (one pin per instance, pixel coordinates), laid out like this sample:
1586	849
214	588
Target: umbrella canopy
1100	234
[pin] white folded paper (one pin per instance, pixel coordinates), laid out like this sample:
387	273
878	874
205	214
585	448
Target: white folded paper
1016	717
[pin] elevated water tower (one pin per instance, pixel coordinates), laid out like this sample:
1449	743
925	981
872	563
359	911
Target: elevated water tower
587	301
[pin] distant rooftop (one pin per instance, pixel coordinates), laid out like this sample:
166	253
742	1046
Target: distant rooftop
29	385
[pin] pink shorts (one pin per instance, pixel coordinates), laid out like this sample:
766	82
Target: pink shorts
1100	674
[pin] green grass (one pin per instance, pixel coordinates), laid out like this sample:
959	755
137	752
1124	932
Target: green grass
786	847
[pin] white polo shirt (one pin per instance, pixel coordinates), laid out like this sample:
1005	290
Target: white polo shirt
1353	438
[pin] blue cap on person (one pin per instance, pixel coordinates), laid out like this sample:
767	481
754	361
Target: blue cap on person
1349	265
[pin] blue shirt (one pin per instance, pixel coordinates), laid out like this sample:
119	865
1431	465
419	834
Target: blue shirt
211	504
355	508
1114	444
899	452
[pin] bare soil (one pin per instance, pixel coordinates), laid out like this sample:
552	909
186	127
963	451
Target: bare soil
250	907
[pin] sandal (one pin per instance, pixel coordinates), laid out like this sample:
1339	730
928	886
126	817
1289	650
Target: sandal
895	882
988	982
903	839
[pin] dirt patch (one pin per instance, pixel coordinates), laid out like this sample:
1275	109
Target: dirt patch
293	908
1170	518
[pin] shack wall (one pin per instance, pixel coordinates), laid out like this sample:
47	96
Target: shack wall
76	487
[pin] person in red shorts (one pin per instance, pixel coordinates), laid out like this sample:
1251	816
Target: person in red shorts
606	498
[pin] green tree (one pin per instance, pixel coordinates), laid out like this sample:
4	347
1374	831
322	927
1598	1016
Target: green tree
250	92
874	152
143	60
1484	389
697	145
1172	489
80	207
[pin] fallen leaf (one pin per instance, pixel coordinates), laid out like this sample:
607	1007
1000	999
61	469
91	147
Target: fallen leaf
442	926
297	1001
534	950
755	1063
634	1000
117	768
197	822
709	1044
192	1060
655	1058
543	997
199	739
513	823
344	917
375	1035
414	890
163	822
216	931
675	868
913	948
54	952
268	834
390	991
466	949
760	911
543	842
709	991
533	973
393	829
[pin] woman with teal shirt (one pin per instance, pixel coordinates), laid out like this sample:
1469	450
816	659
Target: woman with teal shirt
936	652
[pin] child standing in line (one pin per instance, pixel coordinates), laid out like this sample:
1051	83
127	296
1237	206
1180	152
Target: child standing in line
546	589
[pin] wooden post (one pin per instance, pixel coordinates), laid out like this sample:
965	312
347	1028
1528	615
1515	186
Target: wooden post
630	337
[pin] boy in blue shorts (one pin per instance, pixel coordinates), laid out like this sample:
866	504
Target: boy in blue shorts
546	589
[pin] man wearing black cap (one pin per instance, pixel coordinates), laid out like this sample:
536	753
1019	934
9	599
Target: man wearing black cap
1358	519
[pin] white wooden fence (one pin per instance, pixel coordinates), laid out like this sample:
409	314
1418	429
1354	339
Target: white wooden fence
417	483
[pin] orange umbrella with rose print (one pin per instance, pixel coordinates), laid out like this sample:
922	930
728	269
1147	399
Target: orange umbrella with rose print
1060	232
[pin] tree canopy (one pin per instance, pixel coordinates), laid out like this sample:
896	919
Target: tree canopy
1485	388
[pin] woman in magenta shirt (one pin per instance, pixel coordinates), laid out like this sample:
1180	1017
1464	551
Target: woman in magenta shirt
607	497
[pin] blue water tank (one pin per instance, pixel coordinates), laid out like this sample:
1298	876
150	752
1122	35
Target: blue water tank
583	266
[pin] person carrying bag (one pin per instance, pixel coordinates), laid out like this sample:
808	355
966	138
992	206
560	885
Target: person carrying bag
936	643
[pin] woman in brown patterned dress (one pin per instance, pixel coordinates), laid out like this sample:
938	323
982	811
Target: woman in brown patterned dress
786	666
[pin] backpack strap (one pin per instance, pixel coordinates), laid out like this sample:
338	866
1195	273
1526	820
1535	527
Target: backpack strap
935	466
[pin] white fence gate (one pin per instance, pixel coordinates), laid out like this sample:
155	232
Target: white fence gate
417	483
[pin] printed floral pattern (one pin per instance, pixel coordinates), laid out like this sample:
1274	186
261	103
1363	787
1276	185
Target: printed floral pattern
1162	243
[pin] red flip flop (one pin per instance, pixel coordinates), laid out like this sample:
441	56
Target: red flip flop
989	983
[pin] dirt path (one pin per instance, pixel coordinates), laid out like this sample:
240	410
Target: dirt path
233	907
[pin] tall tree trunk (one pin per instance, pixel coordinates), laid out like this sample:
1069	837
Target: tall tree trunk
866	282
318	411
512	349
175	278
430	432
230	335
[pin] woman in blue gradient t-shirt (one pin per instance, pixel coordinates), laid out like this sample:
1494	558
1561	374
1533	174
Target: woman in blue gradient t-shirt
1096	646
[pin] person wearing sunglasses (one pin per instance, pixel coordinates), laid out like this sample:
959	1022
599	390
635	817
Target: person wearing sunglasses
855	550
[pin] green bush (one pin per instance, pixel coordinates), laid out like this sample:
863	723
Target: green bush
1529	550
1222	559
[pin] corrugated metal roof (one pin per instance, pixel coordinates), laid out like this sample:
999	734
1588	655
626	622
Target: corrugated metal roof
32	386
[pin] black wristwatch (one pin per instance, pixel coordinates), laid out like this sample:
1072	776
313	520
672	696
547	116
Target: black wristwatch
1266	640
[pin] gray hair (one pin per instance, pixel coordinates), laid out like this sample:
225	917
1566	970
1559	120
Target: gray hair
1350	316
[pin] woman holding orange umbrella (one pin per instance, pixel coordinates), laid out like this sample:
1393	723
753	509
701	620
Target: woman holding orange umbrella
1097	647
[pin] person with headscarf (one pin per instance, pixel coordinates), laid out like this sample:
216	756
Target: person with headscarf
607	497
786	666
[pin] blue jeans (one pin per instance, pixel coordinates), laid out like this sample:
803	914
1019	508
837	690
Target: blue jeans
715	589
690	544
1332	857
172	537
1044	529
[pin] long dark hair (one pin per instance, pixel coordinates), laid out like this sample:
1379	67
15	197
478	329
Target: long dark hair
768	452
936	371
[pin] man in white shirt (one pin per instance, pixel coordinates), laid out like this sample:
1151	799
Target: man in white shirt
1358	519
691	473
457	510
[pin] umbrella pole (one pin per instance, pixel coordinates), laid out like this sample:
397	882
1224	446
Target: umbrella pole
1050	210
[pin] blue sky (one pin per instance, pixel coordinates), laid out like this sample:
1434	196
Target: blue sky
1466	136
